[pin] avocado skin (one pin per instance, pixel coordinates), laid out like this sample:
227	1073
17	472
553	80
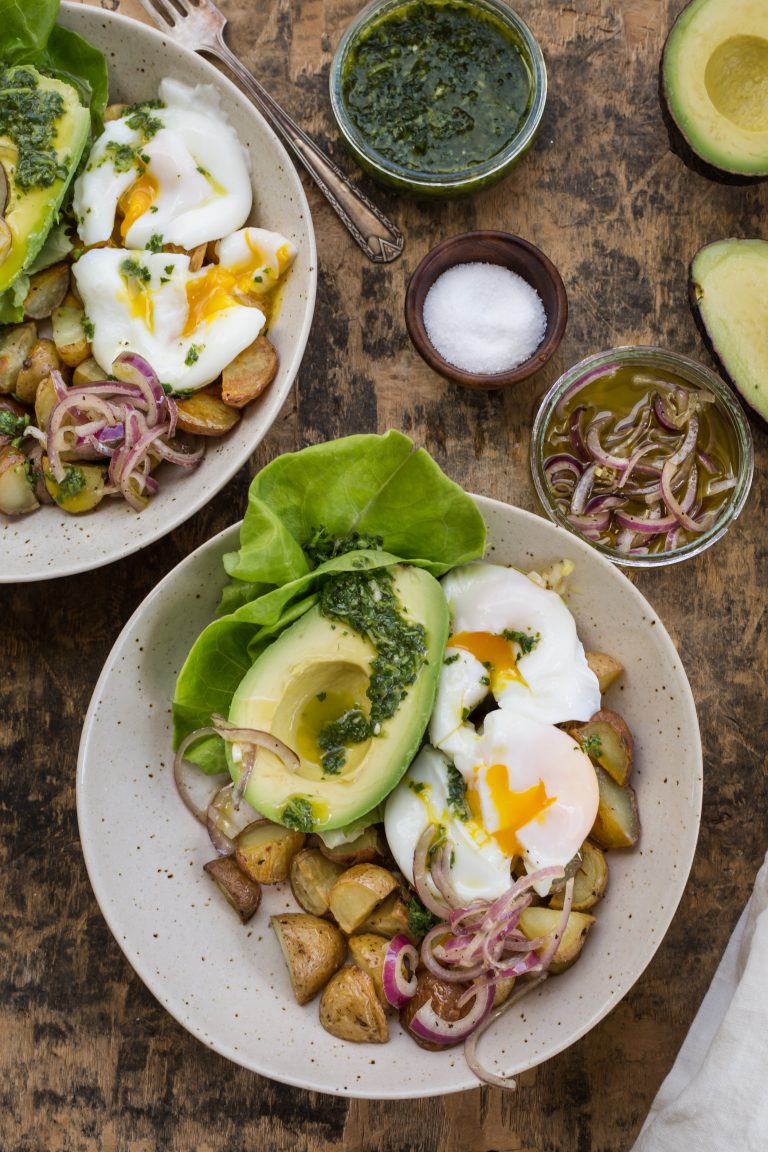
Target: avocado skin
679	143
679	146
309	658
718	354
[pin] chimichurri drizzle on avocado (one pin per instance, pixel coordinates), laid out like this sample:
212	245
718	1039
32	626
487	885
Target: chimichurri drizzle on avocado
29	116
367	603
437	87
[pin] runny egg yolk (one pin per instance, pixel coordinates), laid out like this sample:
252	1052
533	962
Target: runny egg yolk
137	200
226	287
513	809
495	653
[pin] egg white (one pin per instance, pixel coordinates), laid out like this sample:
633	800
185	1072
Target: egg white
555	683
149	315
195	160
480	870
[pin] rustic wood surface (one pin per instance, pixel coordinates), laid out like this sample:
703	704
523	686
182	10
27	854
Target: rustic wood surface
88	1060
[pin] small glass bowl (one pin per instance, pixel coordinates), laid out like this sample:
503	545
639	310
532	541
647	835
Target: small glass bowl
690	372
460	182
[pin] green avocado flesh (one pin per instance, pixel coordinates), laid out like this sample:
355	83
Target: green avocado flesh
303	686
729	287
715	82
43	132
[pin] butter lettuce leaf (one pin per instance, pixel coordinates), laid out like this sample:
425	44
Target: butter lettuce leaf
373	485
377	486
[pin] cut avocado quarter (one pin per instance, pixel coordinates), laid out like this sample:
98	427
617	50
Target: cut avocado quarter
714	77
30	210
729	290
316	671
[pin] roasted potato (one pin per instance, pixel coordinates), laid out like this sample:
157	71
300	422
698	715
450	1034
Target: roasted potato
82	488
312	876
249	374
45	401
17	495
368	951
605	668
617	824
204	413
388	918
503	990
89	371
444	997
608	742
535	922
69	335
243	893
114	112
351	1010
357	892
47	290
15	346
364	849
590	881
265	850
313	949
42	360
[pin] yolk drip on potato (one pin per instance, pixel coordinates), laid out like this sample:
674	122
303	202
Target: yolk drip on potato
496	653
513	810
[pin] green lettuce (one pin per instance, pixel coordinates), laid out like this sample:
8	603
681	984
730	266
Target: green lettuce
376	486
29	35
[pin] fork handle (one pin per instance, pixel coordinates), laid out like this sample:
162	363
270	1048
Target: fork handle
377	236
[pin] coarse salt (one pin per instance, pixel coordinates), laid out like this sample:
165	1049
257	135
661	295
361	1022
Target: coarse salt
484	318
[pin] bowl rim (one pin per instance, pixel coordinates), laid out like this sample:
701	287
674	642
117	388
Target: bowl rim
430	182
694	372
421	281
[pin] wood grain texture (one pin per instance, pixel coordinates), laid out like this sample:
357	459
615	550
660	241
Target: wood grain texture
89	1062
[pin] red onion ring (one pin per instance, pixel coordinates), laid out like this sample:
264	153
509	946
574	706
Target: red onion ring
427	1025
400	988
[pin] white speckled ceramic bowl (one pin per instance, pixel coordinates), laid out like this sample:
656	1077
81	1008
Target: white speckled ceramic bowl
49	542
228	984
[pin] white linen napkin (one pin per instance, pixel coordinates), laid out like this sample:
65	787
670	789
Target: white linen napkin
715	1096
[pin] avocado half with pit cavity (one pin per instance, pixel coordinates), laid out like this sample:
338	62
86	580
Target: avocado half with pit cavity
317	670
714	81
729	294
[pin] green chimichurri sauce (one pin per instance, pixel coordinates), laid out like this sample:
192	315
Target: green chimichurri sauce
437	87
29	116
369	605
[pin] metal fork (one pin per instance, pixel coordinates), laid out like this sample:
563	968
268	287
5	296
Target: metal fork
199	26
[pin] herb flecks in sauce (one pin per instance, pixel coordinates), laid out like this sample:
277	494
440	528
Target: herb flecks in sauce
29	116
366	603
437	87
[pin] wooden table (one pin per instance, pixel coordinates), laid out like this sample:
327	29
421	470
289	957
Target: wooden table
88	1060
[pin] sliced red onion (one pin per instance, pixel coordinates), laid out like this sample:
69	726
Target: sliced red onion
646	525
561	463
226	820
437	905
189	779
682	518
715	487
583	489
427	1025
400	957
134	369
470	1044
255	736
595	374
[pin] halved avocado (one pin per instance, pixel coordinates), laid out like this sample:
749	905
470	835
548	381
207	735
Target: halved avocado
38	165
714	79
314	673
729	291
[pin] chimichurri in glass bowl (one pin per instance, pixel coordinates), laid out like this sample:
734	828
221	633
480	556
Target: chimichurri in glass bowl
438	97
